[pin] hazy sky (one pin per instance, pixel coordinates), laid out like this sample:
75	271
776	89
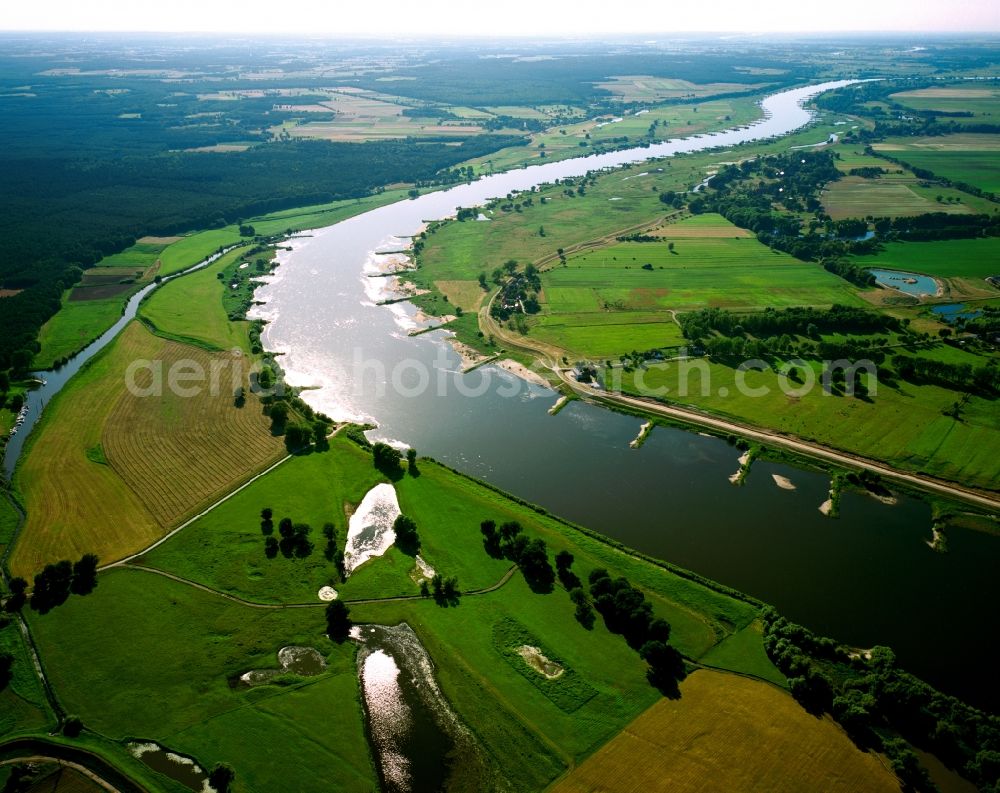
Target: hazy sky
501	17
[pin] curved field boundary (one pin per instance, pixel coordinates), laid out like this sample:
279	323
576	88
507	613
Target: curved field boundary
185	524
176	451
91	765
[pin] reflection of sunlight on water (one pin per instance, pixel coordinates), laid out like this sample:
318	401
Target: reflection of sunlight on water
416	733
370	531
388	715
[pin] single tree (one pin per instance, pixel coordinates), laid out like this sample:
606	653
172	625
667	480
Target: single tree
72	726
84	575
407	540
338	620
221	777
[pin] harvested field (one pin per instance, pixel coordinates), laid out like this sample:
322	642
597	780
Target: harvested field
853	197
946	93
191	449
101	292
178	452
728	733
149	240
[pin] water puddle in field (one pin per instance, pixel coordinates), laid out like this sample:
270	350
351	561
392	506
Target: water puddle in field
292	660
176	766
369	531
534	658
418	740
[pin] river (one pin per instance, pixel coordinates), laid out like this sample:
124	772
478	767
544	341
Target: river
867	577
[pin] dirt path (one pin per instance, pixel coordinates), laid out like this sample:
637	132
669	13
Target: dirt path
311	605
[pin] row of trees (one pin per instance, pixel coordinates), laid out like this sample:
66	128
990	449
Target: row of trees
958	376
626	611
584	611
871	697
55	583
530	555
809	322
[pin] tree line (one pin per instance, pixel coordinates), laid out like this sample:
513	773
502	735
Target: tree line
874	700
798	321
957	376
53	199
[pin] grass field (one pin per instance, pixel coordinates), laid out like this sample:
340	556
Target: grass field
608	301
972	259
224	549
74	326
165	456
167	642
744	650
968	158
190	309
905	424
729	733
23	707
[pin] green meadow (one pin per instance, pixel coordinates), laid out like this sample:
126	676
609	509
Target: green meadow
190	309
968	158
619	297
904	423
976	259
74	326
170	643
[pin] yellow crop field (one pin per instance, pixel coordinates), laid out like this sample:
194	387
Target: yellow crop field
177	453
728	733
85	486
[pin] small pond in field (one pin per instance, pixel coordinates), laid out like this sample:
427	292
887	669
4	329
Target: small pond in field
176	766
952	312
418	741
292	660
369	531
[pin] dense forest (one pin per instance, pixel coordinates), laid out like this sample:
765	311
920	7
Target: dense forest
94	156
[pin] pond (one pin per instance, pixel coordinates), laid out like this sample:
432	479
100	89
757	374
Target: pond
176	766
952	312
910	283
415	734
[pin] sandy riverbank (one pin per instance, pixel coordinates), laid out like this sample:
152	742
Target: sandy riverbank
523	372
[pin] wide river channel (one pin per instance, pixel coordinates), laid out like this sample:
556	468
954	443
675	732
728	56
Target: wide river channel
867	577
